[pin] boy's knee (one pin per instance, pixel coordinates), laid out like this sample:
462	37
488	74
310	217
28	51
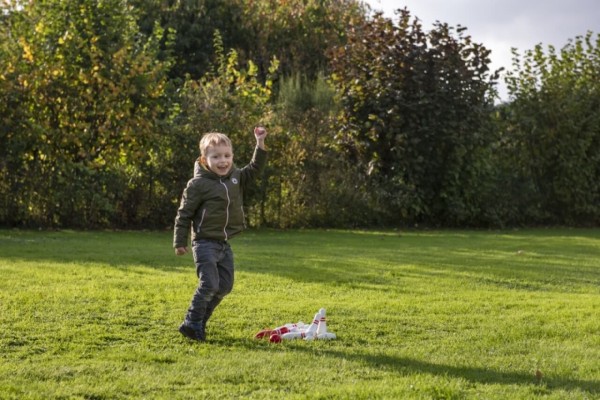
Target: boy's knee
211	286
225	286
224	291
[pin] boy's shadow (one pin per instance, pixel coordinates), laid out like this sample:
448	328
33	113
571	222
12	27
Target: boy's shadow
407	366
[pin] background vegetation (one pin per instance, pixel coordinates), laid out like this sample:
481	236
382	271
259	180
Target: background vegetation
418	315
373	122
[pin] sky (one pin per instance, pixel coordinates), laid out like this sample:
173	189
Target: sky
503	24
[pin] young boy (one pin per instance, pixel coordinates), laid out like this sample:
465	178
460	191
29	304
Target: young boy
212	206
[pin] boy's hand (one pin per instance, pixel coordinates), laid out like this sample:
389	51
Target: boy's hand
260	133
181	251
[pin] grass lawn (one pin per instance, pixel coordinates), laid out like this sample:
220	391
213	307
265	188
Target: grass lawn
418	315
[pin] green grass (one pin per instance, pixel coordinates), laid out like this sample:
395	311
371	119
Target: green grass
418	314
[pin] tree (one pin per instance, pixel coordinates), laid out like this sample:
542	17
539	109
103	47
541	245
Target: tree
554	130
297	32
314	185
90	89
300	33
193	24
415	114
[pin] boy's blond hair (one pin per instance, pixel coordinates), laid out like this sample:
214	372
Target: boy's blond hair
213	139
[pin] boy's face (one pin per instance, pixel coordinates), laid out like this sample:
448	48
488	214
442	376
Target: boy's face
219	159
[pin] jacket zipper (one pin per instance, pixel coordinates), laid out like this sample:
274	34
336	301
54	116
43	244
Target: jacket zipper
201	220
227	209
243	216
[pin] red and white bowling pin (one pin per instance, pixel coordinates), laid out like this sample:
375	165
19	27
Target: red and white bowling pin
269	332
293	335
322	326
312	329
316	330
280	330
307	333
300	326
326	336
275	338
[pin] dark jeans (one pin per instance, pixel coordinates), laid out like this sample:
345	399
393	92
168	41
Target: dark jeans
214	267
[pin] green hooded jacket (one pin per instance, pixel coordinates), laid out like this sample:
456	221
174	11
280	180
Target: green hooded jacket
212	206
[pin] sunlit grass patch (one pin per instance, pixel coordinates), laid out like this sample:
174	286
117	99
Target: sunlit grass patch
418	314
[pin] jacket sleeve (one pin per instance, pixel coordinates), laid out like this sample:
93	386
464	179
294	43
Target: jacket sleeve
190	202
251	171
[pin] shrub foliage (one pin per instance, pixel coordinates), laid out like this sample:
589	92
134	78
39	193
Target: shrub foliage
373	121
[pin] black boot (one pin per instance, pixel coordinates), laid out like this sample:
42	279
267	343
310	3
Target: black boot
193	330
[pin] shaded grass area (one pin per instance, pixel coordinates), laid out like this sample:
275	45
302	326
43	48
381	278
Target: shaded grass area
418	314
